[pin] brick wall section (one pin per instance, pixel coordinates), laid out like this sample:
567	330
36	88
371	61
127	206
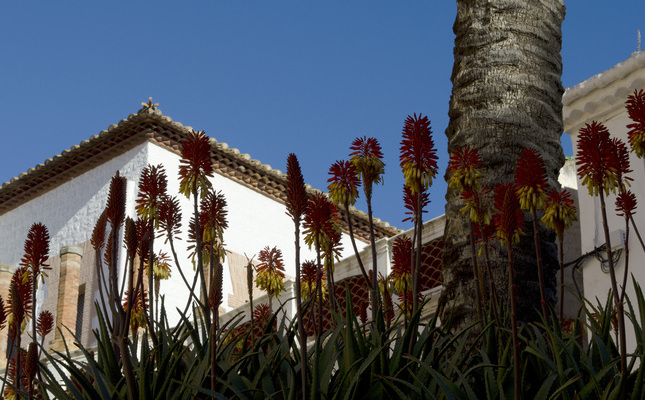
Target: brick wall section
6	272
68	285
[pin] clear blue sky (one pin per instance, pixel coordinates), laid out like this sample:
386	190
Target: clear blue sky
267	77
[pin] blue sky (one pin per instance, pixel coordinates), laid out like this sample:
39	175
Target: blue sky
269	78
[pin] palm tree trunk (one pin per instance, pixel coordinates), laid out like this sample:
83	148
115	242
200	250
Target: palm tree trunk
507	95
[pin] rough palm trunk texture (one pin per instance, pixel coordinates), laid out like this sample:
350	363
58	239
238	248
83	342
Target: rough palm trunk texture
507	95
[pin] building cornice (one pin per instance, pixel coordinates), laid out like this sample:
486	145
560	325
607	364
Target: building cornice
602	96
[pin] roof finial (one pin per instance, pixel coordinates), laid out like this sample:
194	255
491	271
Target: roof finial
150	105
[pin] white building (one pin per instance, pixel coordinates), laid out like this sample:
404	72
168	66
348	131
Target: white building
68	193
602	99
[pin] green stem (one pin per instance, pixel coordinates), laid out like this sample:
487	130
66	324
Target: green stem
516	345
538	254
491	284
479	282
200	262
374	267
353	240
301	326
561	259
614	285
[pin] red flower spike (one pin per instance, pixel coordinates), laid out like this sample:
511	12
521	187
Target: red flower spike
309	274
401	264
116	201
107	255
152	190
130	238
36	252
559	212
195	165
636	110
19	299
418	155
3	314
143	238
463	168
622	162
31	361
343	184
216	290
530	179
270	271
212	216
170	216
296	191
596	160
321	220
45	323
410	203
509	220
213	221
367	158
98	235
625	204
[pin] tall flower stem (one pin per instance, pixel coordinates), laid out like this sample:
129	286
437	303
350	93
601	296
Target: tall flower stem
200	261
491	284
416	260
297	202
516	344
478	276
561	260
638	234
319	289
151	288
538	254
617	299
368	199
190	288
626	256
301	327
353	240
